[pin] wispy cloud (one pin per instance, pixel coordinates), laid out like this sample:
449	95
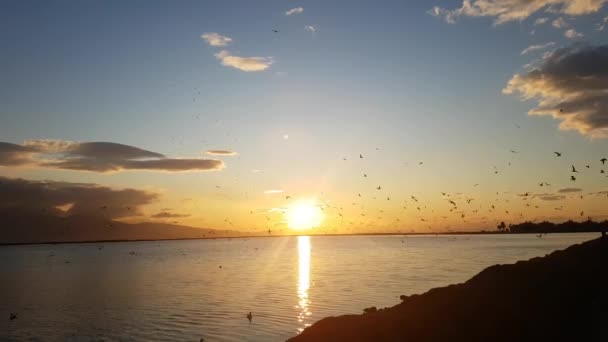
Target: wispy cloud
537	47
270	192
221	153
541	21
570	85
559	23
96	157
516	10
293	11
310	28
572	34
248	64
569	190
216	39
167	215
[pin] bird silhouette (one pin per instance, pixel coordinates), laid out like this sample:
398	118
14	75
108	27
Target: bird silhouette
603	160
12	316
249	316
572	178
558	154
574	169
275	31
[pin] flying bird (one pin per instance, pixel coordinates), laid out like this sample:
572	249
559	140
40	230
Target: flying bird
603	160
572	178
13	316
275	31
249	316
558	154
574	169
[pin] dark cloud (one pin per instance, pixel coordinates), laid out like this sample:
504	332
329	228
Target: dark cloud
97	157
549	197
166	214
221	153
28	196
14	155
569	190
571	85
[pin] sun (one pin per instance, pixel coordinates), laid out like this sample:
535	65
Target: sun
305	214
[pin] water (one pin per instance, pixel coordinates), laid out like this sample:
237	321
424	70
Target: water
176	290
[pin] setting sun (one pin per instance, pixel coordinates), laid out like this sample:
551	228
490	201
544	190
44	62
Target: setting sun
304	215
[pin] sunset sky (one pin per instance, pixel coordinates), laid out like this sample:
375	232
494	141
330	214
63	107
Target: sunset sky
227	123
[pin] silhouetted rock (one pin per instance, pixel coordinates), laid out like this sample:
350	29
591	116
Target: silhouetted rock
559	297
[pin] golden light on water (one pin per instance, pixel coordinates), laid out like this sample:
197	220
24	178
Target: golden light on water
305	214
303	280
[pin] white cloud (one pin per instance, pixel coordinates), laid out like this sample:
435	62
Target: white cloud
310	28
296	10
516	10
541	21
572	34
270	192
248	64
537	47
216	39
559	23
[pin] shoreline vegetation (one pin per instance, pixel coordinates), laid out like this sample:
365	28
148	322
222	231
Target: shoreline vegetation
125	232
559	297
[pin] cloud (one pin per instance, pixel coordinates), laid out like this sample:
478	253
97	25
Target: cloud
221	153
572	34
569	190
549	197
571	85
537	47
244	63
541	21
216	39
559	23
310	28
30	196
516	10
96	157
15	155
270	192
296	10
601	26
166	214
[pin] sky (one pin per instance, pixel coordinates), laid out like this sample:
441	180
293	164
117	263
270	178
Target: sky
226	114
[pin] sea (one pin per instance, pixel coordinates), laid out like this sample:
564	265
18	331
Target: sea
192	289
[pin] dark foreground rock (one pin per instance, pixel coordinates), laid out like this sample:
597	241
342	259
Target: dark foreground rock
560	297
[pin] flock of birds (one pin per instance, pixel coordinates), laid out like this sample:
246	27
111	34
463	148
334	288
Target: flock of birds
459	204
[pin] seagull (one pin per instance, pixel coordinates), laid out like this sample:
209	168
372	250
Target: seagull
558	154
574	169
249	316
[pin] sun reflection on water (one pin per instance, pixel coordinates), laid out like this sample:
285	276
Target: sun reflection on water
303	281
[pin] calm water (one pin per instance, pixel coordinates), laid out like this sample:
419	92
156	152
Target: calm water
176	290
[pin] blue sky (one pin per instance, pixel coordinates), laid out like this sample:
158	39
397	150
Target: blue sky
388	76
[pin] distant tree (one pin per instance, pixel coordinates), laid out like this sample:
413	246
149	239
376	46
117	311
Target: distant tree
501	227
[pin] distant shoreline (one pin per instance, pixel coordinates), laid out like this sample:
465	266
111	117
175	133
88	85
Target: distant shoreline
277	236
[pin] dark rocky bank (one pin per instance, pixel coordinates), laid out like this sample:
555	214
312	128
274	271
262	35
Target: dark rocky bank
559	297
